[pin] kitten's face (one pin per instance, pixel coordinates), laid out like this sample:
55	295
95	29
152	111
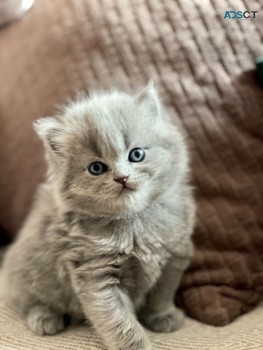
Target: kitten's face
112	153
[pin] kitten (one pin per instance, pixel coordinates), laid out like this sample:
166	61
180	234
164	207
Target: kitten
109	234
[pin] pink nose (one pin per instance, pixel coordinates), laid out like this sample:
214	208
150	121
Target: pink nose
122	180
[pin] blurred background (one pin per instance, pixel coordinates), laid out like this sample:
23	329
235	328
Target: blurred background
204	68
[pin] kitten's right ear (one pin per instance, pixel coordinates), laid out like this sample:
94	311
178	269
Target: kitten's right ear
49	130
150	98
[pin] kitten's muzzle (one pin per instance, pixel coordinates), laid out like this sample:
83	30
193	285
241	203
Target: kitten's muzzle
123	181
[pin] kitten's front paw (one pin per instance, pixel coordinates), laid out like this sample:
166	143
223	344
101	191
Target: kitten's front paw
164	322
141	344
138	340
43	321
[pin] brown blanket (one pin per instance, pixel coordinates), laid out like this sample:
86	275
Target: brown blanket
203	65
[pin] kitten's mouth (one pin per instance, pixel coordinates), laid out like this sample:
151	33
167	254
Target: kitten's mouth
126	189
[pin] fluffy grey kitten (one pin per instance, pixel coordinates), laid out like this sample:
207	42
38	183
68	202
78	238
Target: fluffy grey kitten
109	234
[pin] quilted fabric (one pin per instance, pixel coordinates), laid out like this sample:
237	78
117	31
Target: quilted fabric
203	66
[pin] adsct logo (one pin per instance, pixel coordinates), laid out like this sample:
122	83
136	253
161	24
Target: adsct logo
240	14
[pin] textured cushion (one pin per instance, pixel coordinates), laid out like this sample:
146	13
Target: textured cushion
244	334
204	68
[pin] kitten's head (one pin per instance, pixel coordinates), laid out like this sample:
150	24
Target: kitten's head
113	154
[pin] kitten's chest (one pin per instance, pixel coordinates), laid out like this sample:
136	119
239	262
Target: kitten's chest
139	244
150	260
140	272
139	251
143	261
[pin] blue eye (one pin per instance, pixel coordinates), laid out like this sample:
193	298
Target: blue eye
97	168
137	155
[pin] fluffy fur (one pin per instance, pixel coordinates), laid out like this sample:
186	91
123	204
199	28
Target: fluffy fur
13	9
95	252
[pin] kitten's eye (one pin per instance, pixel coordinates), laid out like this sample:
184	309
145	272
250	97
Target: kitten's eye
137	155
97	168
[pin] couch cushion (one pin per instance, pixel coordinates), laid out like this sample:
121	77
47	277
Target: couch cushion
204	68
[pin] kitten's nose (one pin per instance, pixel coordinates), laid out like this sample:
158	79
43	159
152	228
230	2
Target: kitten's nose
122	180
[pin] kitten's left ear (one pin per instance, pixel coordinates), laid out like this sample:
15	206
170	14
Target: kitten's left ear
50	130
150	98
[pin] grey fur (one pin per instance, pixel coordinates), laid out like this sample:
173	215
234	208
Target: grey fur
94	253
